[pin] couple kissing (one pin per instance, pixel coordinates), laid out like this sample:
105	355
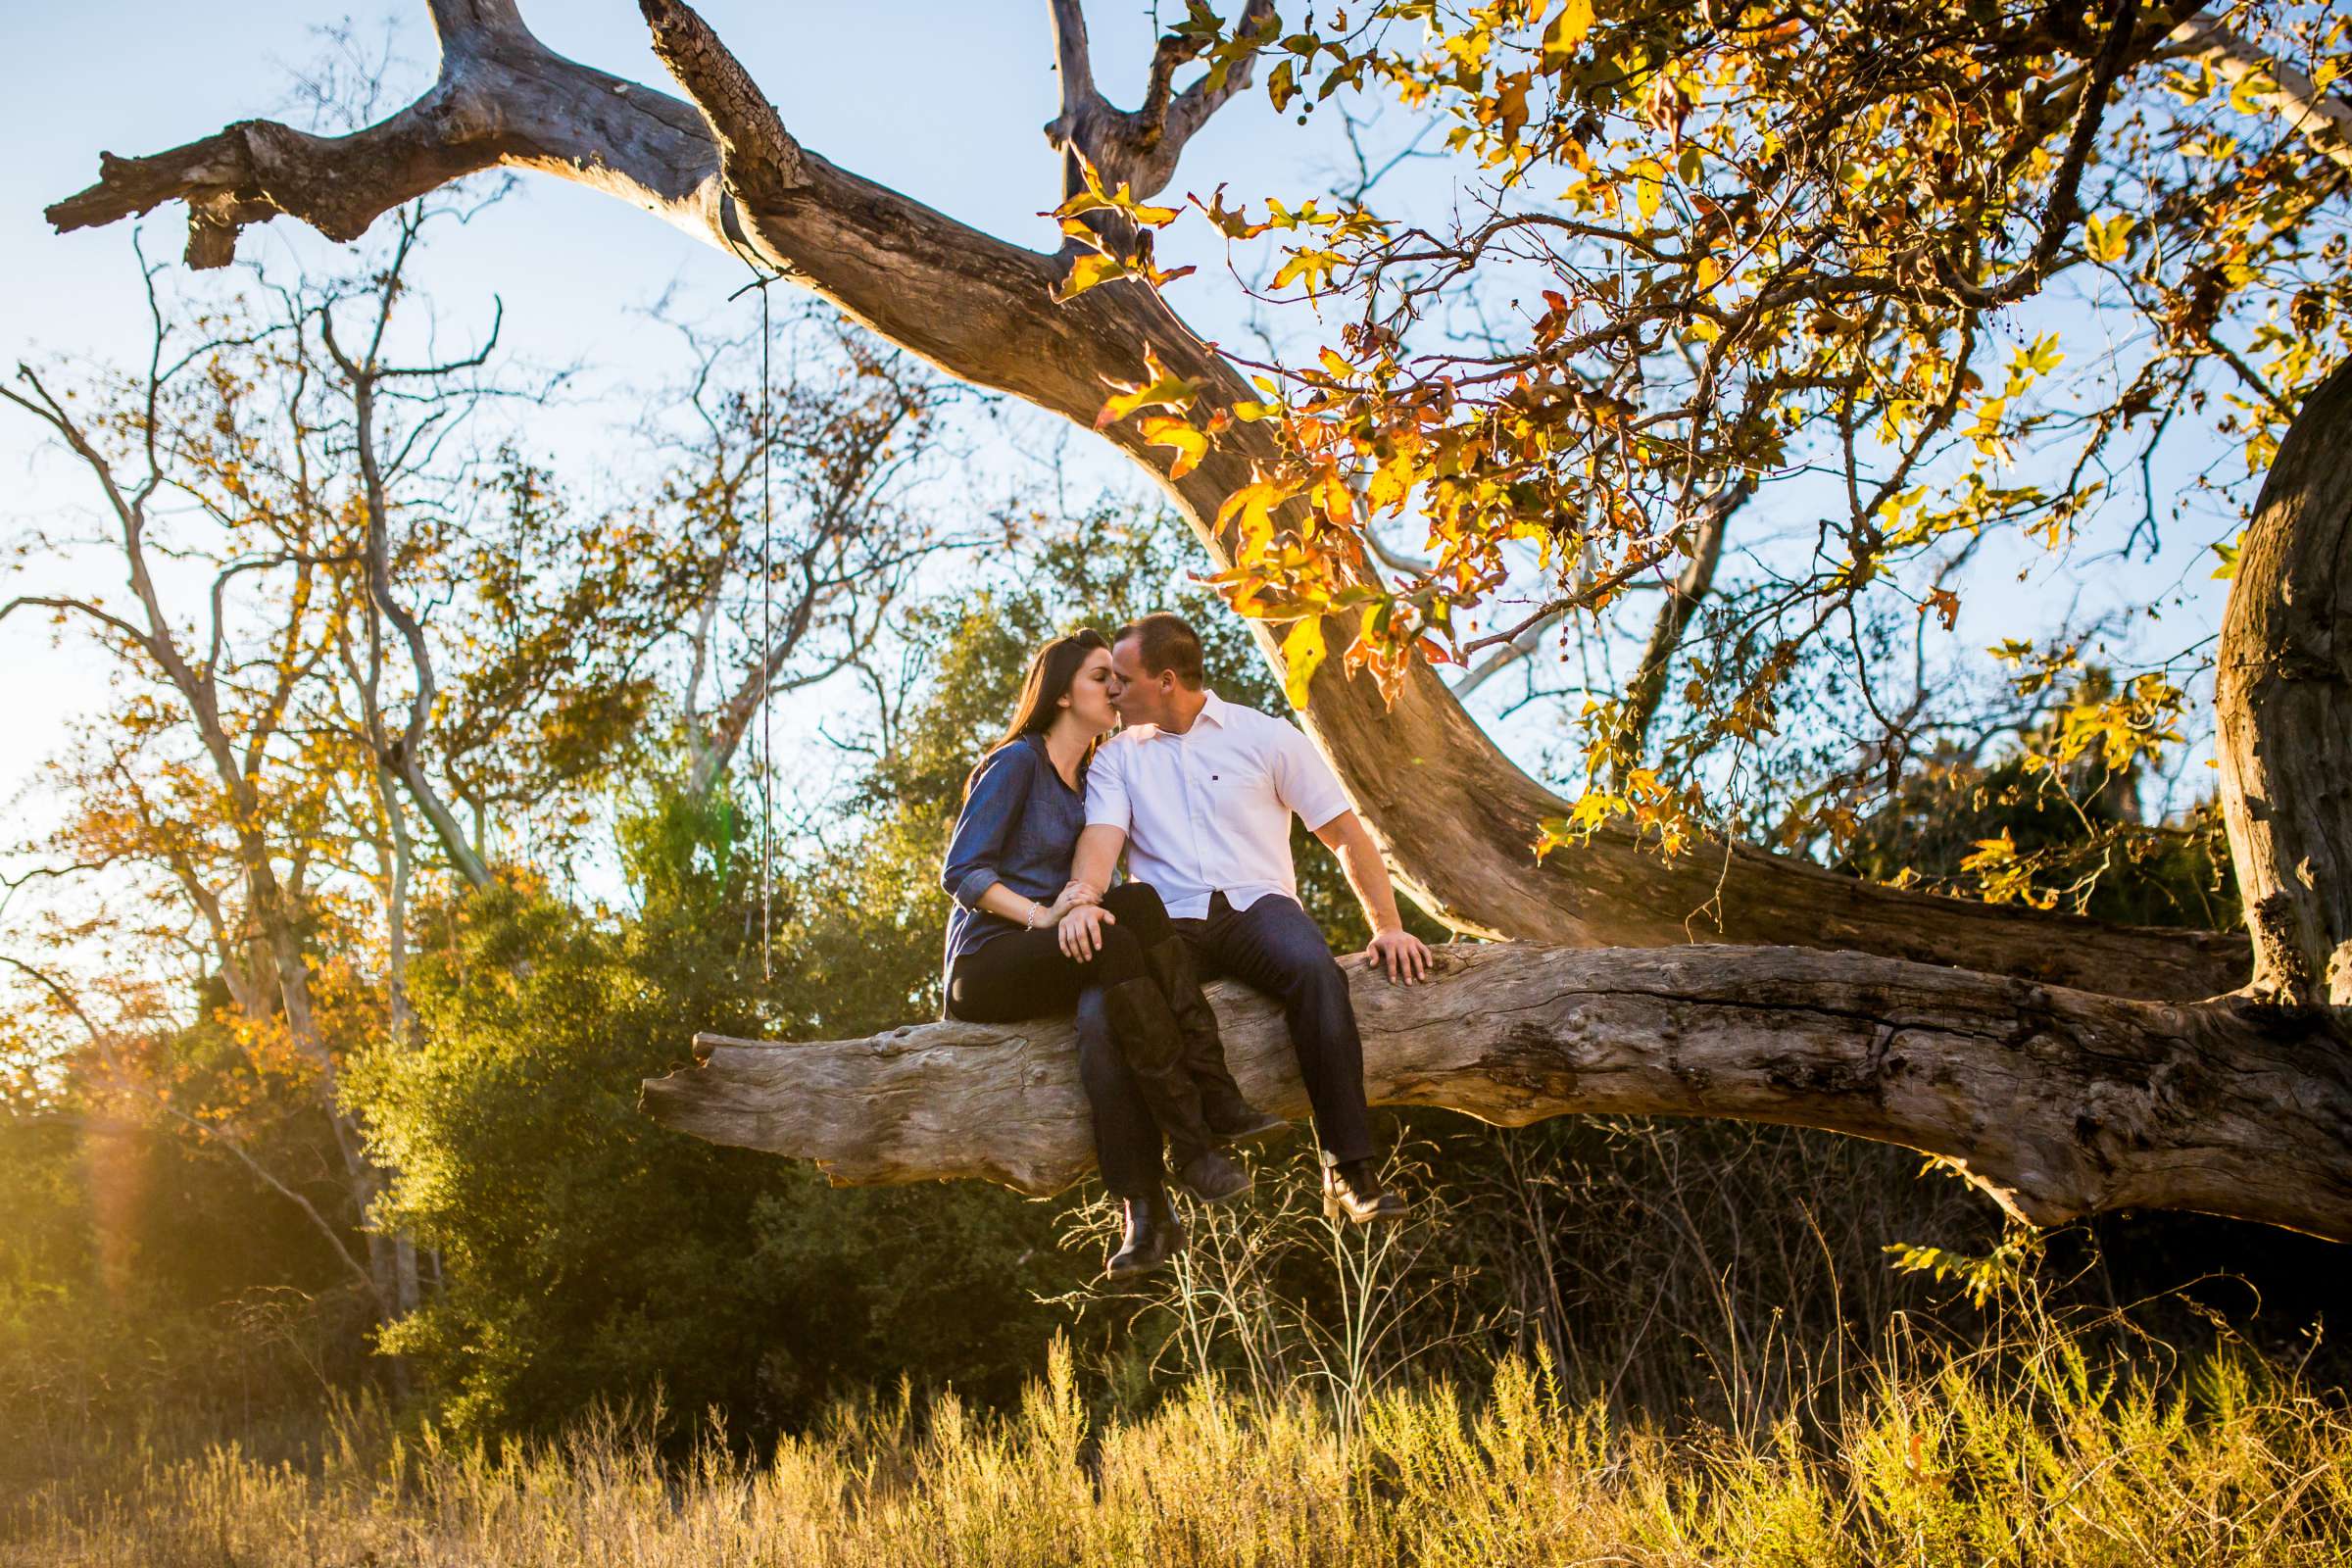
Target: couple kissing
1116	746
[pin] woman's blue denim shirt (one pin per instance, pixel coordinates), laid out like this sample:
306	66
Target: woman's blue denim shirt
1018	826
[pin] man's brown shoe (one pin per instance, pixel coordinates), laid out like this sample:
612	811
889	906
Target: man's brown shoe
1351	1189
1153	1235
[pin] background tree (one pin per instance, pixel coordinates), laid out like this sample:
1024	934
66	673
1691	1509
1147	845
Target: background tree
843	447
1783	242
211	788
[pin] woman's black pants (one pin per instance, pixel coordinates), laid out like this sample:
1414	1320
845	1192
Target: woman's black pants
1025	974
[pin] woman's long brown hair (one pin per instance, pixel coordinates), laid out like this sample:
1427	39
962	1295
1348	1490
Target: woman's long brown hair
1051	674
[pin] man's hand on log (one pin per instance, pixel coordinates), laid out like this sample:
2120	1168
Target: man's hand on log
1402	954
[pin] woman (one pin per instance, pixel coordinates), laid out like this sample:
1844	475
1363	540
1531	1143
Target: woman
1008	870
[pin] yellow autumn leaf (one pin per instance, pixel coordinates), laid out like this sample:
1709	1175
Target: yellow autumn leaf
2108	239
2228	550
1087	272
1333	498
1157	389
2249	90
1391	483
1302	656
1649	185
1313	267
1567	31
1188	444
1097	267
1094	199
1510	104
1250	510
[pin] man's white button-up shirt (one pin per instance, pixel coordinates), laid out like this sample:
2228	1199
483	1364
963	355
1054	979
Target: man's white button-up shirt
1209	810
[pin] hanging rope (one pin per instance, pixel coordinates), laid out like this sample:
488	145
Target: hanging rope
768	644
767	746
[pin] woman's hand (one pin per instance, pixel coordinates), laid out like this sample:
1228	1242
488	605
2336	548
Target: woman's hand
1073	895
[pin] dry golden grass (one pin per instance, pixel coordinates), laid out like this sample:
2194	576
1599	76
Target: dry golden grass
2036	1452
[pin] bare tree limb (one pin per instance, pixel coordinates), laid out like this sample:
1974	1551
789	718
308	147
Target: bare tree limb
1648	686
403	755
1521	646
1139	148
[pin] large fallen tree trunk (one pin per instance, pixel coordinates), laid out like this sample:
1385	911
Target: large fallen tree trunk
2058	1102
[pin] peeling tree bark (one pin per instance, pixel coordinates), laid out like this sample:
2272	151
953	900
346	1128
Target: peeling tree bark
2060	1104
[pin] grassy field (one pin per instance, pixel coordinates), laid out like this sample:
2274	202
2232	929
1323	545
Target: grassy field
2050	1446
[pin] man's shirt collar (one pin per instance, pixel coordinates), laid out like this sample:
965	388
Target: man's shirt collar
1214	710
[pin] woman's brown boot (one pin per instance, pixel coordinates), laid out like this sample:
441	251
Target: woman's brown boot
1229	1115
1144	1030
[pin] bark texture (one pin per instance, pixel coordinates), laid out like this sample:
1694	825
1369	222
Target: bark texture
1455	817
2058	1102
2282	695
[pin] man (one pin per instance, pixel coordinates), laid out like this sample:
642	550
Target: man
1199	794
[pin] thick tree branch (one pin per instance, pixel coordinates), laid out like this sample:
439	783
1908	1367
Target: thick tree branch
757	158
2322	117
2282	697
2059	1103
1139	148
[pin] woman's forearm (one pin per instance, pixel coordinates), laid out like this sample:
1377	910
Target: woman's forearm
1014	906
